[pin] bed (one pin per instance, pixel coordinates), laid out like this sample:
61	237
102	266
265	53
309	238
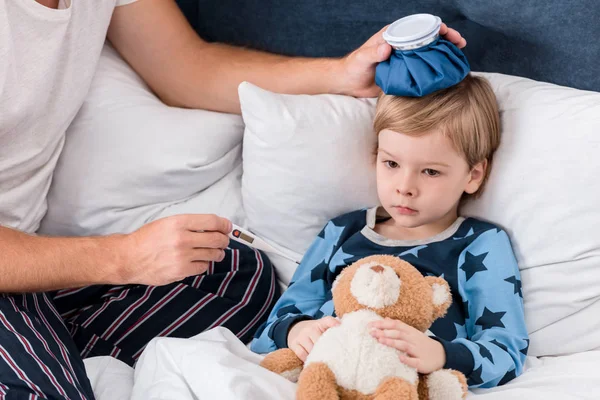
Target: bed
541	60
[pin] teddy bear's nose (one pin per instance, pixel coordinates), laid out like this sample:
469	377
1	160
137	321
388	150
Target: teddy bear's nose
377	268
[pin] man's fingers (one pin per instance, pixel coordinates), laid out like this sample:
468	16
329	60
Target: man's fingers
383	52
200	267
376	38
373	54
207	255
206	222
453	36
443	29
210	240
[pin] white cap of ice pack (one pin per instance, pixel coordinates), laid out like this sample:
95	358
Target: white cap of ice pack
412	32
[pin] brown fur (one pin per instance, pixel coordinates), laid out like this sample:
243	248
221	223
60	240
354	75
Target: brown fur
414	307
462	380
353	395
396	388
440	310
422	389
317	382
281	360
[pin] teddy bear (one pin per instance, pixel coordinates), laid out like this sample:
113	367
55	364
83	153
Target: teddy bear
348	363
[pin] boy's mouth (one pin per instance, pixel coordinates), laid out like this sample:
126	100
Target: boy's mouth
405	210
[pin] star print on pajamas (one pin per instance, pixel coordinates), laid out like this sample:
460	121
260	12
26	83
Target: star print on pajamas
483	333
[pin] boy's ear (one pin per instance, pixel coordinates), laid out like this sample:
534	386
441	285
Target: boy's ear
477	174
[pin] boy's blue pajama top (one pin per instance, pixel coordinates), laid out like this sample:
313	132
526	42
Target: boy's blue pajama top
483	333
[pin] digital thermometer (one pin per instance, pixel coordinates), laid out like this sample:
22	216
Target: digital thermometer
249	239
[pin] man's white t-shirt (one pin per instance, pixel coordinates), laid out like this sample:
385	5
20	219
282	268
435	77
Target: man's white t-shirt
47	60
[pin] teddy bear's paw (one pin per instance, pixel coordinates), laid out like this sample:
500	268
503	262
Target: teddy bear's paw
446	384
292	375
317	382
396	389
285	363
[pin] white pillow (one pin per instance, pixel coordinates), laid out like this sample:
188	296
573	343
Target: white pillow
129	159
308	159
544	189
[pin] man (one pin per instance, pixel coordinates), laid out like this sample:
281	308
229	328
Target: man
62	299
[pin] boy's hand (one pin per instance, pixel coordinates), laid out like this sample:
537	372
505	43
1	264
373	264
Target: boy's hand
304	334
423	353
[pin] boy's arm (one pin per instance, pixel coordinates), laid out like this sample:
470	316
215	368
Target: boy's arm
498	340
305	298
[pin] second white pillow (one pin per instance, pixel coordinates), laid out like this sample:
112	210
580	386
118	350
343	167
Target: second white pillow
295	147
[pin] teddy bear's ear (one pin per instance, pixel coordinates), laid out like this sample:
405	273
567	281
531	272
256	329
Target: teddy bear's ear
338	278
336	281
441	295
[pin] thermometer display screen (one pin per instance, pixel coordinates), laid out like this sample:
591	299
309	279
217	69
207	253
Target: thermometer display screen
240	235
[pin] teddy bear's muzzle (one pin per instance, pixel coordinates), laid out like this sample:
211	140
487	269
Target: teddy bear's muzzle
375	285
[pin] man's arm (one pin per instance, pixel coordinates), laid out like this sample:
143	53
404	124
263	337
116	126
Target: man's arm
35	263
161	252
157	41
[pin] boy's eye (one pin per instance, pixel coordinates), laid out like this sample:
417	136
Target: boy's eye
391	164
431	172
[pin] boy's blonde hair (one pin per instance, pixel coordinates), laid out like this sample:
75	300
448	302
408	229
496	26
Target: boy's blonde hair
466	113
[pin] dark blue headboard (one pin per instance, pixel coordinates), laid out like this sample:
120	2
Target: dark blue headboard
548	40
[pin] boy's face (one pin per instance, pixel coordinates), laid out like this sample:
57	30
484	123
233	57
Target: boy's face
420	179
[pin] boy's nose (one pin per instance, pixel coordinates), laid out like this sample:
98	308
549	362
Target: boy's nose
407	189
406	192
406	186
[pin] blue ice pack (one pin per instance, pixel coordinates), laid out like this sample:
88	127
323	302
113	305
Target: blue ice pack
421	62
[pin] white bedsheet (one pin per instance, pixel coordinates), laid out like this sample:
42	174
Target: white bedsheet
111	379
215	365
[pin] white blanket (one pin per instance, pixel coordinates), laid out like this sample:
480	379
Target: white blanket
216	365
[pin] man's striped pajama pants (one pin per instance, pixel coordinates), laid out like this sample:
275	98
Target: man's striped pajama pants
45	336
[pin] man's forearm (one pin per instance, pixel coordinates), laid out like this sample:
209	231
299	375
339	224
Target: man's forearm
154	37
213	72
36	263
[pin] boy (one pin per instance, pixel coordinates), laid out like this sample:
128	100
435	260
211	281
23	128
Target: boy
434	153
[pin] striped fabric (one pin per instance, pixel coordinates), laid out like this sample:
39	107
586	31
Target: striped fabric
38	359
44	337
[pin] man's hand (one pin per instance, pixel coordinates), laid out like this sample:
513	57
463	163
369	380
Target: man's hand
452	36
358	67
419	351
304	334
173	248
